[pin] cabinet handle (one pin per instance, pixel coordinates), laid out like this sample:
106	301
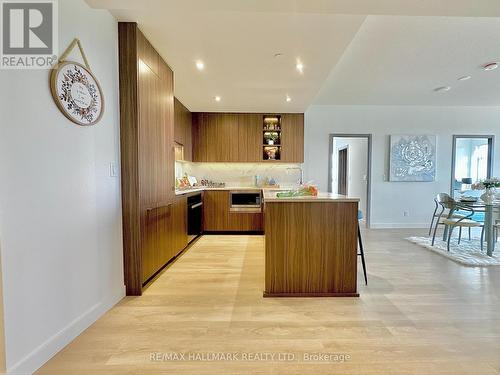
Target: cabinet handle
158	211
197	205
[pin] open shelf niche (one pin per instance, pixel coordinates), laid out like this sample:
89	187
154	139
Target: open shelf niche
271	139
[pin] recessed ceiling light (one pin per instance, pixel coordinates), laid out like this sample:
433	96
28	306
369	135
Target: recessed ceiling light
200	65
442	89
490	66
300	67
464	78
217	98
288	99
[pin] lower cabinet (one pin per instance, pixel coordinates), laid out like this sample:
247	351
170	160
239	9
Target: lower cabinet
179	224
218	218
164	235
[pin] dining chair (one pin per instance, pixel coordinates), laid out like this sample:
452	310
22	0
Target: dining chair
361	250
464	222
444	205
445	213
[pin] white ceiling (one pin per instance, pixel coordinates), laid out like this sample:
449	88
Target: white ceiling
401	60
349	58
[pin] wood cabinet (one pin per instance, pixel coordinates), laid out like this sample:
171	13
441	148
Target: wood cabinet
218	218
215	210
238	137
292	137
179	224
147	157
183	129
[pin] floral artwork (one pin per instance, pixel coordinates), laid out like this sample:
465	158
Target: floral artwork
413	158
78	94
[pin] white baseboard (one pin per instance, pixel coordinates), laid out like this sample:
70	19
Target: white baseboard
399	225
59	340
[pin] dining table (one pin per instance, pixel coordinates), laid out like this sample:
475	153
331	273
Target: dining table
491	216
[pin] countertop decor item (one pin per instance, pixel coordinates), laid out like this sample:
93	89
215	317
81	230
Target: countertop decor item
75	89
413	158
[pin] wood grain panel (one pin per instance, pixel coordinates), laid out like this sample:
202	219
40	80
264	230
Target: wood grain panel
179	223
249	137
244	222
129	140
215	210
311	248
183	128
292	137
146	124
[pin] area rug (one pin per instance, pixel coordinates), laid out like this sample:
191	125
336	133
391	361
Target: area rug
467	253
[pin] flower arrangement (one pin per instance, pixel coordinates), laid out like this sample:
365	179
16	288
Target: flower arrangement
489	183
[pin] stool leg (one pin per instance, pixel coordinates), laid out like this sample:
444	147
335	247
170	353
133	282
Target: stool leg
459	235
362	253
470	237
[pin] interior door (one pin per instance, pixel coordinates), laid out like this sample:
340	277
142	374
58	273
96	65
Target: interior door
342	172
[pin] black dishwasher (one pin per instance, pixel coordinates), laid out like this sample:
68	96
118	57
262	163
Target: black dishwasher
194	214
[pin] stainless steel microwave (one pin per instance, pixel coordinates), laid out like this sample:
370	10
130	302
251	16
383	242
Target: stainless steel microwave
245	201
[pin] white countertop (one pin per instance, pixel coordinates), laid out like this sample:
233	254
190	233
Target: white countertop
203	188
270	196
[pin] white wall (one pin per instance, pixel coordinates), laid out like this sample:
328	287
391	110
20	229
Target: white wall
60	211
357	166
391	199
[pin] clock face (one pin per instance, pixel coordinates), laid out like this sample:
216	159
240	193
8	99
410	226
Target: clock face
77	93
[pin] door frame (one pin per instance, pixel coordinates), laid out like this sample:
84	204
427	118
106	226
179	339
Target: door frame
368	168
491	154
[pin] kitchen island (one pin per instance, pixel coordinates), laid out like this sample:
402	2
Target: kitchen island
311	246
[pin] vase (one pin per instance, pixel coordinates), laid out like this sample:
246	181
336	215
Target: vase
489	196
270	142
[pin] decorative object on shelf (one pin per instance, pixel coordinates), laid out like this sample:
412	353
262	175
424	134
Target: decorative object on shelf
271	153
413	158
490	185
271	138
76	90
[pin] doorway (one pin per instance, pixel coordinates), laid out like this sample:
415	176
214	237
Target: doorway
342	170
471	162
350	169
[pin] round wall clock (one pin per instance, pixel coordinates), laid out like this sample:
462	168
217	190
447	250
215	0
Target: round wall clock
77	93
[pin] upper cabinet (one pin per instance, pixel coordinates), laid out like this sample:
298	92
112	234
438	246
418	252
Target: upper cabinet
183	130
239	137
292	138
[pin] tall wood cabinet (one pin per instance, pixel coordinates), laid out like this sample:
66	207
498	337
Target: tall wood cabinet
147	153
238	137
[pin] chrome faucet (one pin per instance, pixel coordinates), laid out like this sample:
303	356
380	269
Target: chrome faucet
301	180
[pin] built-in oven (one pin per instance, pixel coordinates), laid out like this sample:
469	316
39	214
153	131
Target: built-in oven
195	215
245	201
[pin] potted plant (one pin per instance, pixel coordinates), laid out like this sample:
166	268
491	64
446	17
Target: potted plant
490	185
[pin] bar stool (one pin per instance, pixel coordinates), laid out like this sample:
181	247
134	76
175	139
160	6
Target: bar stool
361	250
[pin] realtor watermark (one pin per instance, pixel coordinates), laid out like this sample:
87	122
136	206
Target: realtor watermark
249	357
28	34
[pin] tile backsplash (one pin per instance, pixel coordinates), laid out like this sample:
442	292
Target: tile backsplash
239	174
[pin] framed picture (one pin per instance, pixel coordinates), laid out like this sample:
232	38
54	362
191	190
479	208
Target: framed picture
413	158
77	93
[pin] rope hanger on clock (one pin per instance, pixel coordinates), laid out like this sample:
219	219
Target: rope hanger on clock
74	43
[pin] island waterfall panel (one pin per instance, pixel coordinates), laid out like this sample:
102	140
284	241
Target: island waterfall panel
311	249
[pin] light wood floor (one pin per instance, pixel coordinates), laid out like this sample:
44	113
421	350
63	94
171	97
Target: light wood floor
420	314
